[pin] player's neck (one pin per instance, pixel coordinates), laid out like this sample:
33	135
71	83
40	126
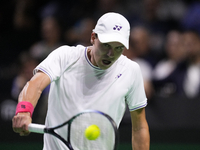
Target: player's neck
89	54
89	49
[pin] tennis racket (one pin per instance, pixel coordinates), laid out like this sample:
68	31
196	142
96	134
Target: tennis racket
72	132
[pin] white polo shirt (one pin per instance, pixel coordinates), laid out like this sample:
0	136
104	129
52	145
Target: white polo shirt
77	85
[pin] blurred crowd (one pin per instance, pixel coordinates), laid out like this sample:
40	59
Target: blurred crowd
164	39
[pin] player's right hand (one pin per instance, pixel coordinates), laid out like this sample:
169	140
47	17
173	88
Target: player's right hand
20	123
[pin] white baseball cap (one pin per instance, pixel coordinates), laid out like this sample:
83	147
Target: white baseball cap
113	27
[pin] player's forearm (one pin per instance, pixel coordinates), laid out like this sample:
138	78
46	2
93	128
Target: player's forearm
28	99
25	110
30	93
141	139
33	89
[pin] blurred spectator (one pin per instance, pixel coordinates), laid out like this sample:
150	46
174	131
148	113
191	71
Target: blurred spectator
80	34
25	72
69	11
26	21
51	38
140	41
191	43
148	13
173	11
85	29
104	6
169	73
19	21
24	15
7	73
139	52
191	20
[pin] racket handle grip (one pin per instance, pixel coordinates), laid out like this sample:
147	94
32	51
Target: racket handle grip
36	128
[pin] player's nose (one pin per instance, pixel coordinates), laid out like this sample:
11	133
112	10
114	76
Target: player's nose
110	53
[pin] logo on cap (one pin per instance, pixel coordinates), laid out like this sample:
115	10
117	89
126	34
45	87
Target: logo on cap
116	27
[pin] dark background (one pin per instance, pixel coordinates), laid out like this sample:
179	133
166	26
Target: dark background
173	120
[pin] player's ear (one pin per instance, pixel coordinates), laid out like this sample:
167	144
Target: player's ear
93	37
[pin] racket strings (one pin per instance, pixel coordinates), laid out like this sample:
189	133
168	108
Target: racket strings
105	141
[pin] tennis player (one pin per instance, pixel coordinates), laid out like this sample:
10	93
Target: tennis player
97	77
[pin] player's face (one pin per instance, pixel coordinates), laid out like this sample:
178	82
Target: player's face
103	55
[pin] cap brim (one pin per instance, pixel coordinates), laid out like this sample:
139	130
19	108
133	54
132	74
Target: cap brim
105	38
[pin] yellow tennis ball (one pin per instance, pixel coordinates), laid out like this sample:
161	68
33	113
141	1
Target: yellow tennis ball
92	132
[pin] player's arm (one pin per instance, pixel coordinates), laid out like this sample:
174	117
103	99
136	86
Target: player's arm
140	130
30	93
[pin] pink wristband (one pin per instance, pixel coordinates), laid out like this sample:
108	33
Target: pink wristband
24	106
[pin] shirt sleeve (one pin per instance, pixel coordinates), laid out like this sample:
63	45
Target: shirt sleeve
136	97
56	62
